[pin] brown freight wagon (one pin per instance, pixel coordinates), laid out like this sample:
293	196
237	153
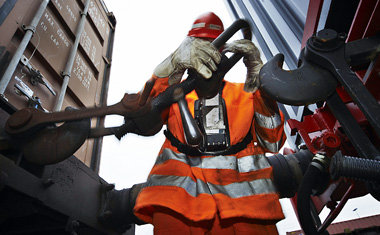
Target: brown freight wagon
53	54
56	68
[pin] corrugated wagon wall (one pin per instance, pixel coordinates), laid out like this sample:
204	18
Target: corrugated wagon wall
47	54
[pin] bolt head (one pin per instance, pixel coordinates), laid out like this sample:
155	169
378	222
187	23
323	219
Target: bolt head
326	35
327	39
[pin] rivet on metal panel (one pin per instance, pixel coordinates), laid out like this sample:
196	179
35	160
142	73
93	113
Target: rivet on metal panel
108	187
47	182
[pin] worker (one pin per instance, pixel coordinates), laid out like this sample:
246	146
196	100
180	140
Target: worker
223	185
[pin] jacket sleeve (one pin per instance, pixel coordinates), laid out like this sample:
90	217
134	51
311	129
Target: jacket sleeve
268	123
160	85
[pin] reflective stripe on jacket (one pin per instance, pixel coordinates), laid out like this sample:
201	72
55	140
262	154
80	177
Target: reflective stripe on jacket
238	185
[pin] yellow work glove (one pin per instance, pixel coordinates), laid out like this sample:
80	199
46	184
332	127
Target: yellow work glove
193	53
251	60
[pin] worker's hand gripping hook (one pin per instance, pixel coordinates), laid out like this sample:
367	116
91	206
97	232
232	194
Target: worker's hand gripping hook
193	135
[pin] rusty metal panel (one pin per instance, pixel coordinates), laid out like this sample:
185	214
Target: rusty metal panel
98	18
92	46
52	41
49	50
83	82
13	21
70	12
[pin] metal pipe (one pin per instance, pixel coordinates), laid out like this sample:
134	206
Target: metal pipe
98	142
359	140
69	65
7	76
334	213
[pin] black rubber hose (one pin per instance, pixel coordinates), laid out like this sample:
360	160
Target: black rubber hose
355	168
303	199
288	171
166	98
359	169
228	33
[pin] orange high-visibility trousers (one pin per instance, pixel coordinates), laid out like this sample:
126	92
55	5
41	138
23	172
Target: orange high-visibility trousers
167	222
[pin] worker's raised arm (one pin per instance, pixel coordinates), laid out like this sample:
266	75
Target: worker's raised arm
251	60
268	124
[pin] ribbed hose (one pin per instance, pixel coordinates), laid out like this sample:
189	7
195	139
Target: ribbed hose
355	168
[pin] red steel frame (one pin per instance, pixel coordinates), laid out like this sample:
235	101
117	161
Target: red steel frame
322	125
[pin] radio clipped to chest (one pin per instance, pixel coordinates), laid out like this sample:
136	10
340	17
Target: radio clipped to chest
211	117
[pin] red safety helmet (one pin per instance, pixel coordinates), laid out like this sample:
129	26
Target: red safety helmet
207	25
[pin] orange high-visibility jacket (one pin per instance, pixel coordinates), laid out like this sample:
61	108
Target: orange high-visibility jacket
238	185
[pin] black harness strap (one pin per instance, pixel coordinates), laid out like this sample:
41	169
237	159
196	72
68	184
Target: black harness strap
193	151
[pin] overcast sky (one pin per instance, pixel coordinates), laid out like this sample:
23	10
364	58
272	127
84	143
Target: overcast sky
147	31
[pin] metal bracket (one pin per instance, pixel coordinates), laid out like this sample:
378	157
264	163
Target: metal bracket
35	75
23	90
64	74
30	28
